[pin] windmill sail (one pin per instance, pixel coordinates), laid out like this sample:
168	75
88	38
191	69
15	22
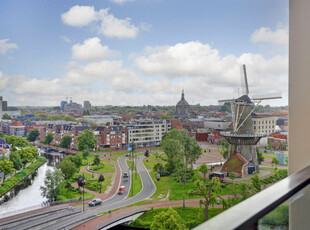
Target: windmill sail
268	96
244	80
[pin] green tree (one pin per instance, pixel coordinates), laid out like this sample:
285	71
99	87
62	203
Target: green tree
51	190
1	134
85	154
169	220
68	168
15	158
158	167
6	167
275	162
256	183
204	170
6	117
65	142
16	141
33	135
101	178
232	176
26	155
96	160
86	140
49	137
260	157
209	192
244	189
77	160
224	148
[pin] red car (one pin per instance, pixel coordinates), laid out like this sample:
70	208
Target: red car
121	190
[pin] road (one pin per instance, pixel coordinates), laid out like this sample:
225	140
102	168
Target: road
70	217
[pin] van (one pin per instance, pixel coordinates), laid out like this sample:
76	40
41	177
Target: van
219	175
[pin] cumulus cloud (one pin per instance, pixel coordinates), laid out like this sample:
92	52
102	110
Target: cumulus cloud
79	16
5	80
266	35
109	25
92	50
6	46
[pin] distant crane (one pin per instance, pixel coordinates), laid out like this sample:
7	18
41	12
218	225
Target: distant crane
68	97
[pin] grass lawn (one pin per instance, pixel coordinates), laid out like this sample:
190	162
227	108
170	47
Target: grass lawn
7	184
115	160
94	184
150	164
130	164
270	155
107	167
160	156
190	216
156	148
137	185
75	177
162	186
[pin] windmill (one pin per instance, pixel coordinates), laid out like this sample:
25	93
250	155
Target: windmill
242	138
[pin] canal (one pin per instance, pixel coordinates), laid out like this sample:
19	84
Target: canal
29	196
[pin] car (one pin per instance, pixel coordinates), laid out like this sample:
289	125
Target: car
125	175
95	202
121	190
219	175
128	155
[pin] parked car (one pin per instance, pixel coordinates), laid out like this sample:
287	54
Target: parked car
128	155
219	175
95	202
121	190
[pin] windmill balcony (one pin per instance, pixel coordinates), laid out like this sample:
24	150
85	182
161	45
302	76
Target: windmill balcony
242	139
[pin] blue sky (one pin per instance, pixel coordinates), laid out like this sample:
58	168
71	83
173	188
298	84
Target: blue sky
141	51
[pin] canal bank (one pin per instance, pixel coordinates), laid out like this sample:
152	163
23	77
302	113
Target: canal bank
11	182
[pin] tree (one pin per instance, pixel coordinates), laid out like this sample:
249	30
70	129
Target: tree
256	183
49	137
15	158
33	135
232	176
101	178
26	155
244	189
166	117
6	167
209	192
224	148
158	167
68	168
16	141
86	140
85	155
169	219
204	170
6	117
51	190
96	160
65	142
260	157
275	162
77	160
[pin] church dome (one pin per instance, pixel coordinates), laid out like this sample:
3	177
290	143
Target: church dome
182	107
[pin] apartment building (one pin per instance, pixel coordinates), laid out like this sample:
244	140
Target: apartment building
264	124
147	132
111	137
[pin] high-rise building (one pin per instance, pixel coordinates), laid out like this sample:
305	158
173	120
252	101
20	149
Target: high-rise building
62	105
87	105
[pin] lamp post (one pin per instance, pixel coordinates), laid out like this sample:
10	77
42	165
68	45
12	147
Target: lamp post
83	191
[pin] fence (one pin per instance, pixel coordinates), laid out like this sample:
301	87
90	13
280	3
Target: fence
39	206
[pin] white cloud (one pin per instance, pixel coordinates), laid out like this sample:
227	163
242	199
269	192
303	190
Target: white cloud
79	16
5	80
121	1
114	27
92	50
65	38
109	25
5	46
266	35
145	26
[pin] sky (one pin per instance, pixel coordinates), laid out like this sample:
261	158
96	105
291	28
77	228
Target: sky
141	52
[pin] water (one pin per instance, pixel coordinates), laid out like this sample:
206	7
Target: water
29	196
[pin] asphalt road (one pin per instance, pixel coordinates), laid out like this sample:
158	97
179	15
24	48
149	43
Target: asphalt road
68	218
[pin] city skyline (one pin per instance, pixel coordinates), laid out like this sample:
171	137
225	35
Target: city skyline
141	52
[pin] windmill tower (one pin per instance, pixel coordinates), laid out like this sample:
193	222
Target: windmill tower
242	156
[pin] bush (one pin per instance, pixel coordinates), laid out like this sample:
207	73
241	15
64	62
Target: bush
278	217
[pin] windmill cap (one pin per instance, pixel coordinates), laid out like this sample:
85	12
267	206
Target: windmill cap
245	98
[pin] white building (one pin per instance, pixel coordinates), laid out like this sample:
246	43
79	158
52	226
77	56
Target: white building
264	125
147	132
102	119
216	123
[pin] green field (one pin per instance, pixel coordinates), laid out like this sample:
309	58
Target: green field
137	185
107	167
190	216
119	154
71	193
150	164
162	186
